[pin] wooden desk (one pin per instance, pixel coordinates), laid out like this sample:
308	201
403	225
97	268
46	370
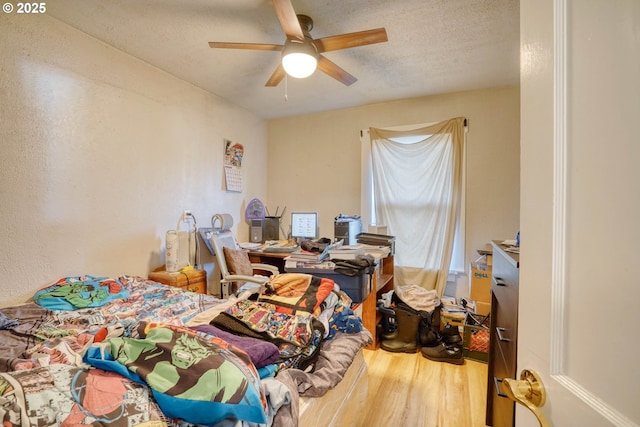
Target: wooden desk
272	258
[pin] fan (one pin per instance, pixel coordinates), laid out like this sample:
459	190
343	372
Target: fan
297	28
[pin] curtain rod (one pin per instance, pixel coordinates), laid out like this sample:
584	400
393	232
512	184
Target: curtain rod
465	124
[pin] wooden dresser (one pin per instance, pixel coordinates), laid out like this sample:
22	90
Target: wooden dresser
504	335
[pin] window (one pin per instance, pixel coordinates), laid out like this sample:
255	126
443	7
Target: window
408	197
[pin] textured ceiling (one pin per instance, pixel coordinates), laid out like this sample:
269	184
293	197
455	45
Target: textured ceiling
435	46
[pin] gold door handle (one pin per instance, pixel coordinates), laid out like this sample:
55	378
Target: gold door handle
528	391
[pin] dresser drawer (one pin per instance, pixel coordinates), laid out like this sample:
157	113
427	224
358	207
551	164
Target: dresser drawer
504	270
506	294
505	344
503	410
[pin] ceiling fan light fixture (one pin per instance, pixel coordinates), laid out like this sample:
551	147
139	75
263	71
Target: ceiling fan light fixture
299	58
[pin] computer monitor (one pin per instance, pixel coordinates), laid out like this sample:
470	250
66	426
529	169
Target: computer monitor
304	225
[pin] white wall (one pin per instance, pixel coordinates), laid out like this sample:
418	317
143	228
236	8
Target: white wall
315	159
101	153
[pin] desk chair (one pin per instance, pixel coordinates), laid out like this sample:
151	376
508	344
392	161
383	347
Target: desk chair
234	263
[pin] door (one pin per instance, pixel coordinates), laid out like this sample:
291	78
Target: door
580	209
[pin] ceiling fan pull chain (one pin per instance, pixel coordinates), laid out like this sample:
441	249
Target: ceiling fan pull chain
286	88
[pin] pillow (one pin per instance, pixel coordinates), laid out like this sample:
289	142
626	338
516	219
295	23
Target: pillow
237	261
71	293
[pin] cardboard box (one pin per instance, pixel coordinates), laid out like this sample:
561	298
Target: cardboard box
483	308
480	280
487	251
193	280
451	318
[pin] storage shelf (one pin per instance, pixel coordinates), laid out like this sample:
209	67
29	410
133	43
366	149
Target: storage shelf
383	284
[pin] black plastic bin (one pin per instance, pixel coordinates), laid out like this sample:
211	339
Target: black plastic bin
357	287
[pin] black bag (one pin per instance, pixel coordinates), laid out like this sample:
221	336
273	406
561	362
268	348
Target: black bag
316	246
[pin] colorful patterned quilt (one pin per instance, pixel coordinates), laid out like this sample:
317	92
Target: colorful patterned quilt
119	352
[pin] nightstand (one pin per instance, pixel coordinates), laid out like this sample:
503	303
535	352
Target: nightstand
193	280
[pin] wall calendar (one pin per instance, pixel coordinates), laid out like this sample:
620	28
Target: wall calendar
233	153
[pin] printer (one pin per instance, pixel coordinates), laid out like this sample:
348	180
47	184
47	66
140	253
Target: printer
347	228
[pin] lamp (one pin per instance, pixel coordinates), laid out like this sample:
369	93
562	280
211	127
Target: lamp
299	58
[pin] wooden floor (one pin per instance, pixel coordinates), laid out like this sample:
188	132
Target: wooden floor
409	390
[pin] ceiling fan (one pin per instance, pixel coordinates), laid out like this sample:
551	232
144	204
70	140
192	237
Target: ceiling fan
301	46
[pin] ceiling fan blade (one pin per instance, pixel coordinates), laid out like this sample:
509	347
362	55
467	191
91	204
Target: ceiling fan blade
330	68
345	41
288	19
276	77
251	46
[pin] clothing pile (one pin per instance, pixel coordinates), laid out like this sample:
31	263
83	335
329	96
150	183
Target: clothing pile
295	312
315	245
363	264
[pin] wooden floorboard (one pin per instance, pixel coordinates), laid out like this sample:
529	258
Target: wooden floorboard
409	390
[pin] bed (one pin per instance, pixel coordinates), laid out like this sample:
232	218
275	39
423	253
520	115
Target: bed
133	352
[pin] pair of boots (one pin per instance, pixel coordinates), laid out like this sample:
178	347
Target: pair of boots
422	329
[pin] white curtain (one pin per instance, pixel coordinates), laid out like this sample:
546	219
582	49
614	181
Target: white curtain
417	189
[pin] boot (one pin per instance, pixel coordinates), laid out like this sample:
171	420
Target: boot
451	335
450	353
440	346
388	324
435	317
449	347
428	335
406	339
